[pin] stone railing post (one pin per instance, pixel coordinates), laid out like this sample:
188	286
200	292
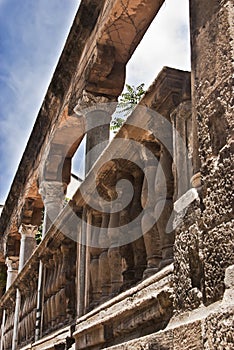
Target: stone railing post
104	268
151	236
95	252
115	258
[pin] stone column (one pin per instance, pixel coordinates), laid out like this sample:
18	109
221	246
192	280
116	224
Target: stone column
27	243
164	188
12	263
97	111
53	194
98	133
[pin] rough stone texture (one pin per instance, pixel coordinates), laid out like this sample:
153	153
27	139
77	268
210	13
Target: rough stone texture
217	177
188	277
213	43
188	337
218	248
161	341
188	305
219	331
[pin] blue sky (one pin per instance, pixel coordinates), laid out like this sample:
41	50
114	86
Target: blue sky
32	35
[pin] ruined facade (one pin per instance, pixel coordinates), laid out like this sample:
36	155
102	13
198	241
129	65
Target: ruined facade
154	270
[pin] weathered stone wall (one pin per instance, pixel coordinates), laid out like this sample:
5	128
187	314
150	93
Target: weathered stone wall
204	241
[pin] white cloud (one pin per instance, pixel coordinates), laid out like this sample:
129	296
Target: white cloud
166	43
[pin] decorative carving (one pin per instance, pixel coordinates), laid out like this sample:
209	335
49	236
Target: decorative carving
89	102
53	194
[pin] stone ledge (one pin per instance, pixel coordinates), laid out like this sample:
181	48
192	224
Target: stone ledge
48	342
144	308
186	333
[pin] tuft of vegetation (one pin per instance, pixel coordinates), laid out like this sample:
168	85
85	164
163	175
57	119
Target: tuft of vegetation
39	234
127	102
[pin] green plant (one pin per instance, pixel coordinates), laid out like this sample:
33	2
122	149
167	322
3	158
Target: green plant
40	229
127	102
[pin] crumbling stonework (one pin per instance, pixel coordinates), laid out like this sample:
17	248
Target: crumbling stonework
94	281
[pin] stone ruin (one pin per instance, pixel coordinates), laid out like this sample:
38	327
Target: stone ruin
155	271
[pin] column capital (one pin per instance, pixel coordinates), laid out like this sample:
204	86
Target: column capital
90	102
12	263
28	230
51	191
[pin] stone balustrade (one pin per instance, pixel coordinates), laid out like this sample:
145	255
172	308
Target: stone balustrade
27	315
8	329
59	301
59	297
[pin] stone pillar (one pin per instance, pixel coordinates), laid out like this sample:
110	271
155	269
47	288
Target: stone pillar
97	135
27	243
12	263
164	188
97	111
53	194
